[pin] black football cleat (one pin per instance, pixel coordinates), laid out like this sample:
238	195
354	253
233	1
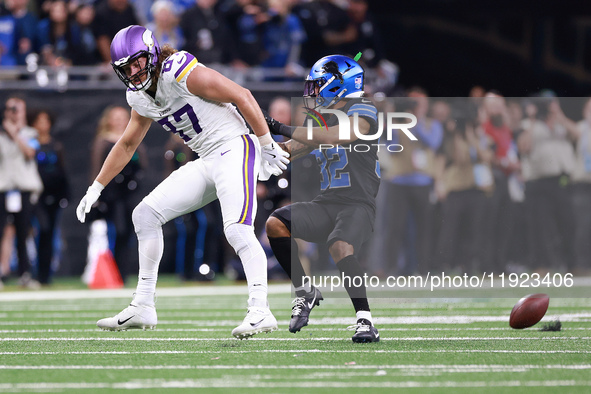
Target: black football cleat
300	311
365	332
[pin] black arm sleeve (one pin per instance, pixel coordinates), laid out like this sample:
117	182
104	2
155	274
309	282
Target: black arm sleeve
277	127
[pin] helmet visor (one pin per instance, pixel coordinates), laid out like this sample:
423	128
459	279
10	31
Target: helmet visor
312	87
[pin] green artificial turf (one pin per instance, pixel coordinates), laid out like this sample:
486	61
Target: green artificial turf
428	345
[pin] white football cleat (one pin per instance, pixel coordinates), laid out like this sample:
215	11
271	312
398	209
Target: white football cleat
257	320
134	316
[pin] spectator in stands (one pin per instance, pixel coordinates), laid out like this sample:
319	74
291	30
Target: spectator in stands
143	10
165	25
337	39
582	192
517	253
51	166
206	34
182	5
441	111
7	39
368	40
515	113
477	91
322	20
246	19
283	37
53	35
119	197
548	161
408	182
495	121
83	41
464	178
20	184
25	28
111	16
41	8
280	109
7	238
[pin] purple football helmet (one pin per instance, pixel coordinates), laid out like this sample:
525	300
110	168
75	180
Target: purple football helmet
127	46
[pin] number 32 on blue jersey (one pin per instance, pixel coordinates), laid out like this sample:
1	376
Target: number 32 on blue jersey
332	162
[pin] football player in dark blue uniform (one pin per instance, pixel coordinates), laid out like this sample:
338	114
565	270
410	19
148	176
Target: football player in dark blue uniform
343	214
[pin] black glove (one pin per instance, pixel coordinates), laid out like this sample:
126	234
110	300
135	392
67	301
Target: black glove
276	127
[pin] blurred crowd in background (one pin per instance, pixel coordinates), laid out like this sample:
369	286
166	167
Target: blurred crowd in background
287	34
494	184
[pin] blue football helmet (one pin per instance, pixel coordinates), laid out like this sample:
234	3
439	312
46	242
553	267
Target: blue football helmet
332	78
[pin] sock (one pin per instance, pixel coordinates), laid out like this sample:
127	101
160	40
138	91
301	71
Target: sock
258	302
351	268
304	289
253	258
150	253
287	254
148	227
364	315
285	250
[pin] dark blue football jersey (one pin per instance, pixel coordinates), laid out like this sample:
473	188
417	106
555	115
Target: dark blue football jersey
351	173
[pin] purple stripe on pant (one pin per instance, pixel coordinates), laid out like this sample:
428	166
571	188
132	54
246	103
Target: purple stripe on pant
249	185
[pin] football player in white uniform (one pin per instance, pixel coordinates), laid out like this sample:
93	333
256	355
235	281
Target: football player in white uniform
192	101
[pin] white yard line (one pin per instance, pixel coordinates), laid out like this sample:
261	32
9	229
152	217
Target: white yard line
382	329
272	339
10	308
414	367
48	323
257	383
299	351
345	321
208	290
195	314
435	319
44	295
307	339
204	303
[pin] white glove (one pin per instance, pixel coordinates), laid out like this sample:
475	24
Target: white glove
266	170
92	195
274	155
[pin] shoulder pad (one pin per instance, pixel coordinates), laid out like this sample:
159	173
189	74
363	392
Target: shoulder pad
367	110
178	65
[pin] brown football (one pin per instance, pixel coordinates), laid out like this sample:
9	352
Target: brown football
529	310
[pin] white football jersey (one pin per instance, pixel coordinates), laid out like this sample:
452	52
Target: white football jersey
202	124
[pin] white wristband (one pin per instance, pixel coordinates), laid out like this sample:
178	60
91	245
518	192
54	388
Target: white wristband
265	139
